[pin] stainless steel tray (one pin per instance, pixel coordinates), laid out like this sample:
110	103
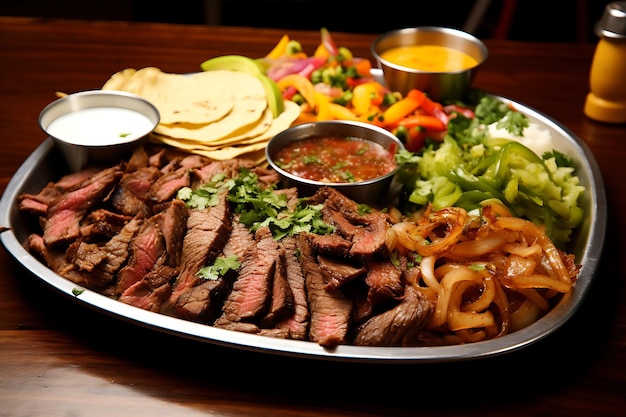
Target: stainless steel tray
43	166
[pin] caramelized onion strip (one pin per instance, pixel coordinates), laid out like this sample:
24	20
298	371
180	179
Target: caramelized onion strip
472	248
428	273
538	281
537	233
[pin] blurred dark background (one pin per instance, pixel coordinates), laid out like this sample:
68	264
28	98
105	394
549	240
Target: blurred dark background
536	20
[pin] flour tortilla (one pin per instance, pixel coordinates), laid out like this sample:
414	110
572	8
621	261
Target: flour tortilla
200	98
243	148
119	79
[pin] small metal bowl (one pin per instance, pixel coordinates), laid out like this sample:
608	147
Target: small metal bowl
440	86
369	191
98	127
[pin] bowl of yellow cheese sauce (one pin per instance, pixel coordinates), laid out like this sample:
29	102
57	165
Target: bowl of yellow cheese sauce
439	61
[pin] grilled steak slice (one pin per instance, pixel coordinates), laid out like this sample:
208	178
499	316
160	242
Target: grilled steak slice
330	308
268	177
250	296
331	244
152	290
102	224
166	186
297	323
206	235
282	299
338	272
367	232
147	252
130	196
396	326
65	213
384	281
115	253
230	168
370	241
37	204
239	241
173	226
56	260
202	303
138	159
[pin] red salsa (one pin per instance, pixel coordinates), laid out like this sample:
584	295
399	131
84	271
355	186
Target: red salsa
334	159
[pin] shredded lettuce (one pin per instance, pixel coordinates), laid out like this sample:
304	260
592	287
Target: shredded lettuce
470	167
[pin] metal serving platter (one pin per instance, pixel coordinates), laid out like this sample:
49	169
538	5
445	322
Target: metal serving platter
43	166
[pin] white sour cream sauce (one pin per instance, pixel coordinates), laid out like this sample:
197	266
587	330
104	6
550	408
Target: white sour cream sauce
100	126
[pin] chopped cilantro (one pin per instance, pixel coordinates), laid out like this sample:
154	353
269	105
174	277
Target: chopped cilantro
220	268
258	206
560	159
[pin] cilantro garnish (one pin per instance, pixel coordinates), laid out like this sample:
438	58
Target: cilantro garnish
258	206
561	159
220	268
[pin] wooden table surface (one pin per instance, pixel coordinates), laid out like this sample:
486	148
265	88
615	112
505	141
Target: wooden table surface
60	359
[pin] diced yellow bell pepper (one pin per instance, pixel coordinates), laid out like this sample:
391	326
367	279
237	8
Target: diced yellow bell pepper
367	97
340	112
322	107
321	52
300	83
280	48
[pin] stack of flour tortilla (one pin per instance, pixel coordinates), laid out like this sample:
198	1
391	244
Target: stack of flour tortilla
221	114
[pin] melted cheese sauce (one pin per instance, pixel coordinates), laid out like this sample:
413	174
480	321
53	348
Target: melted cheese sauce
100	126
432	58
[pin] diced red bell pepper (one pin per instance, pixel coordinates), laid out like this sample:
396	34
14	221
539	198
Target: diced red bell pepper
455	108
422	120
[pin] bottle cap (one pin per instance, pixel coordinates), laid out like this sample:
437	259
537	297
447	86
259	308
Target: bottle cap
612	24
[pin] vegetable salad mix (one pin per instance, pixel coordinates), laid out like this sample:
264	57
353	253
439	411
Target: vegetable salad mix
456	154
470	167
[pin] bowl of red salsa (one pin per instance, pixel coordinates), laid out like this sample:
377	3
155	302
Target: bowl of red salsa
354	157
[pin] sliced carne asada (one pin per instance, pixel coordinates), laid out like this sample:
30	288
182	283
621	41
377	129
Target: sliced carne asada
203	302
152	290
251	292
56	260
239	240
331	244
399	325
298	322
102	224
121	231
338	271
330	308
65	213
367	232
207	232
282	302
131	194
117	251
371	238
166	186
228	168
173	226
384	281
147	252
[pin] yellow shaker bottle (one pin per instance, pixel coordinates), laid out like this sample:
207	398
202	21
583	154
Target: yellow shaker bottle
606	102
